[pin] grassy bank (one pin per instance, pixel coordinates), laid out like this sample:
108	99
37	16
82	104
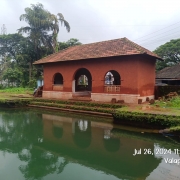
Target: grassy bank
77	105
20	102
15	97
165	113
169	103
146	119
17	90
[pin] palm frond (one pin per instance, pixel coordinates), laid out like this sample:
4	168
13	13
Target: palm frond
26	29
62	20
66	24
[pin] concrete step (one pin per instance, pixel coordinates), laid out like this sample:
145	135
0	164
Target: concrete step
80	99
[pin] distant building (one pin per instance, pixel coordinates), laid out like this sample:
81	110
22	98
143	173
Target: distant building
169	76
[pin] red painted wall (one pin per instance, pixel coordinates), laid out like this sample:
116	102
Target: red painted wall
146	76
137	73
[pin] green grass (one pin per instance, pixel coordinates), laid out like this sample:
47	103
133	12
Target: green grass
175	129
17	90
172	103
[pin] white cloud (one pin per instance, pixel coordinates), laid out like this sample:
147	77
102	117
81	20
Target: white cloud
97	20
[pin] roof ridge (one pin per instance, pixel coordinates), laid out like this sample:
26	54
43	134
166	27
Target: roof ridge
102	41
140	48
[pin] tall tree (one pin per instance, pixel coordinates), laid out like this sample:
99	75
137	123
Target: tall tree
42	30
55	28
43	26
170	52
39	25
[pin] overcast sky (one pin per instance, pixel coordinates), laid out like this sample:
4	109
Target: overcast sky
150	23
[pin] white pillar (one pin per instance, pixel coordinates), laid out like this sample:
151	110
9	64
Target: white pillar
73	86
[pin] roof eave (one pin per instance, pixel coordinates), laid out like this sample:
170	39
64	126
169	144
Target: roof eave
41	63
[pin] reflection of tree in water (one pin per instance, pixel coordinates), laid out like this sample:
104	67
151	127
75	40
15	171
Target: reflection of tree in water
62	166
16	136
41	164
16	130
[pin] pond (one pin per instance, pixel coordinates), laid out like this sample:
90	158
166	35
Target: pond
43	145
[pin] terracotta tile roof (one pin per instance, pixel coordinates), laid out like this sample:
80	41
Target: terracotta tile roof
117	47
172	72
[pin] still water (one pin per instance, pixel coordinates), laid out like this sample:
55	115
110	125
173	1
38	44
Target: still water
46	145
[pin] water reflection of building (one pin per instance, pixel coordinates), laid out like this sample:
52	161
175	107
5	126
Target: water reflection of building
93	145
83	124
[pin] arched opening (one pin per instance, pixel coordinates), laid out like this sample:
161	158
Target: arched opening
112	78
112	81
58	82
82	135
83	80
58	79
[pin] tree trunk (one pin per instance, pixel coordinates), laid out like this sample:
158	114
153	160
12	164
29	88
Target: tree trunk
30	71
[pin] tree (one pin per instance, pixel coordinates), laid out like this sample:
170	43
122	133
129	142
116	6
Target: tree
43	27
16	52
42	31
39	25
13	76
55	28
170	52
11	45
69	43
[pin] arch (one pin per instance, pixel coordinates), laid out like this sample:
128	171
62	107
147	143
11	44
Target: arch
83	80
82	135
58	79
112	77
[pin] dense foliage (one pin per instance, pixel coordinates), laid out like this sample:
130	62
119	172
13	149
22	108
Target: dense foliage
169	52
71	42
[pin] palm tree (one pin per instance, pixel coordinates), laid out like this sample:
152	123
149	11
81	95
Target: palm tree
55	28
42	30
37	31
39	25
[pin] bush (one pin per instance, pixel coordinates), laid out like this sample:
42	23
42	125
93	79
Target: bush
138	118
32	83
14	102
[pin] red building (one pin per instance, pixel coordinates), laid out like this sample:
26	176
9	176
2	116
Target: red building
117	69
